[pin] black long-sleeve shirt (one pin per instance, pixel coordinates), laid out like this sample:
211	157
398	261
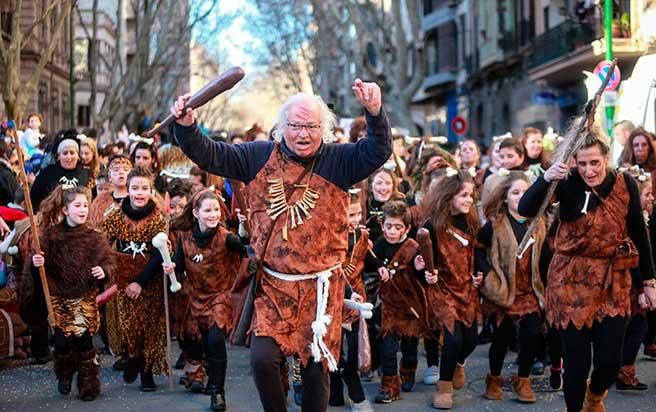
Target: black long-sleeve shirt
571	194
341	164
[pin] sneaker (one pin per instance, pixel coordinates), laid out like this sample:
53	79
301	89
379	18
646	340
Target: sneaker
383	397
538	368
431	375
556	379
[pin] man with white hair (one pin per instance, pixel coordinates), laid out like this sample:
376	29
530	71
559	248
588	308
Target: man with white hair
297	193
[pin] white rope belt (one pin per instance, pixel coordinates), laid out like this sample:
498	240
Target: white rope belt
322	320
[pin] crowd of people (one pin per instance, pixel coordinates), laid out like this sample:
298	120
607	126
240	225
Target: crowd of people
426	232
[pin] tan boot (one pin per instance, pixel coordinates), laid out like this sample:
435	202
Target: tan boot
494	387
459	377
522	388
594	402
443	398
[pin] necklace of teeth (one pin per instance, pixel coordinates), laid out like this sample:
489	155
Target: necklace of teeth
296	212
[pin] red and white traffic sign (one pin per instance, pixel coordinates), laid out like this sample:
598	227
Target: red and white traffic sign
602	69
459	125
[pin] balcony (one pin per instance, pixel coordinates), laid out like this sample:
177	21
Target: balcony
559	41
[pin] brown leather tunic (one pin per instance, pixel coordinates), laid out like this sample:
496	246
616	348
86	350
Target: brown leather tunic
285	310
210	279
454	297
397	317
583	284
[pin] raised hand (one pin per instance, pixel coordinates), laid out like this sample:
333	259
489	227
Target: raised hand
368	94
183	119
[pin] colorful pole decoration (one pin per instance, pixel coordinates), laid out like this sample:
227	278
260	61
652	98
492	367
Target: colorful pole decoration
608	28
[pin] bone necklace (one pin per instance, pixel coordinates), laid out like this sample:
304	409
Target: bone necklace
296	212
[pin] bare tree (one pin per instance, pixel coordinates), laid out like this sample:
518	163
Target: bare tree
162	33
385	40
286	28
15	92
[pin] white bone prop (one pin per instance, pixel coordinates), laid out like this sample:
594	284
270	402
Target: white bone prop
160	243
587	200
4	246
459	238
528	245
365	308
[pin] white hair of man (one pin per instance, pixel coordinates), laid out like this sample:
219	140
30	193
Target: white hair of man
328	119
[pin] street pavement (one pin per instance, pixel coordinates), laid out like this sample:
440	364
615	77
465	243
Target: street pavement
33	388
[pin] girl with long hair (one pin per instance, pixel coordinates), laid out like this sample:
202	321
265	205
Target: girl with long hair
145	155
76	258
512	287
209	255
452	221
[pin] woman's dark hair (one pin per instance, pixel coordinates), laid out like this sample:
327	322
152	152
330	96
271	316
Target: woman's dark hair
628	155
153	154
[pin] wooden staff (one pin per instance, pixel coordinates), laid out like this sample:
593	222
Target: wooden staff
36	244
169	354
573	145
237	187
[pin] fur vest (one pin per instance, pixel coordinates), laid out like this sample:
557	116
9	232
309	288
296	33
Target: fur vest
499	285
70	253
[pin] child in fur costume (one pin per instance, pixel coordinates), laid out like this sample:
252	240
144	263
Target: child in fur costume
131	228
209	255
394	258
75	258
353	268
512	286
452	221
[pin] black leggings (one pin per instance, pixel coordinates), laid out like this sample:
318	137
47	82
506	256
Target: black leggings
213	347
64	345
635	333
605	338
391	344
650	336
432	347
555	348
456	348
529	343
265	363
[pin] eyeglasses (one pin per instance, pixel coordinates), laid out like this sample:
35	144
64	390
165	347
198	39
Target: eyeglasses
310	128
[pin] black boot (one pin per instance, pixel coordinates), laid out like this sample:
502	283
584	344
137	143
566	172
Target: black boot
336	390
180	363
120	364
217	400
132	369
65	367
88	383
354	386
147	381
216	371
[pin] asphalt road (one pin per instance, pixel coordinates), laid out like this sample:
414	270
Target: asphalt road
33	388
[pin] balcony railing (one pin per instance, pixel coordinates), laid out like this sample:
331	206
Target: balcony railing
559	41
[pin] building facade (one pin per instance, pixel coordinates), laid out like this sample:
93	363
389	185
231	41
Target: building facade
51	97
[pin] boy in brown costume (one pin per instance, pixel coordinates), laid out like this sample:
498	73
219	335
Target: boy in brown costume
402	296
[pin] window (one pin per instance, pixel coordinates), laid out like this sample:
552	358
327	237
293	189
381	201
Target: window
431	53
55	114
43	98
6	21
83	115
545	15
